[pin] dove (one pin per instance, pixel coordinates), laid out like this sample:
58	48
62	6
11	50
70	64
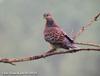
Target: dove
54	35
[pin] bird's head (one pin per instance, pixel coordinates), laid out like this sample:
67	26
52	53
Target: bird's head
47	16
49	20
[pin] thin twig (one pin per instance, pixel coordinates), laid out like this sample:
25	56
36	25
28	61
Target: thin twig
88	44
89	23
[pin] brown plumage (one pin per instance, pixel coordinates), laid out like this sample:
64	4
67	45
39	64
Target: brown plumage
55	35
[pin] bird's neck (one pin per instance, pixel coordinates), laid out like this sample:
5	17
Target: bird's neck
50	23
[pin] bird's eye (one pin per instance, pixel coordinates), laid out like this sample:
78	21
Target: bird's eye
47	15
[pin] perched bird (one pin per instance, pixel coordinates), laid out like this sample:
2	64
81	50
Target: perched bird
54	35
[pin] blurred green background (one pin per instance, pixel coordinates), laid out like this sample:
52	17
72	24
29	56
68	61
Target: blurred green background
21	34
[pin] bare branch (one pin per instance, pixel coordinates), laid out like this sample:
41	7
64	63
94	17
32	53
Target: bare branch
44	55
89	23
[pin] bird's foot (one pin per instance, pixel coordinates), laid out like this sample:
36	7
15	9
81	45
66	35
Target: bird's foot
50	51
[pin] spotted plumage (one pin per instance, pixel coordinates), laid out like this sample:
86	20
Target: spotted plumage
55	35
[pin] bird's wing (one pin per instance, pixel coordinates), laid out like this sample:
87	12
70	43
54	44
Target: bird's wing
67	36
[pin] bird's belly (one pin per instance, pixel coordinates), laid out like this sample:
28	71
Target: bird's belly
51	38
